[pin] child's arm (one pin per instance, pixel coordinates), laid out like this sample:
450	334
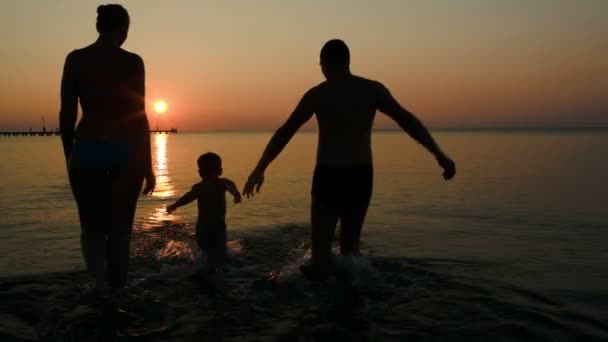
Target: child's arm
233	190
187	198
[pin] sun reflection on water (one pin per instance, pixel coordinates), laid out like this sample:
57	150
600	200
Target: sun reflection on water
164	188
164	185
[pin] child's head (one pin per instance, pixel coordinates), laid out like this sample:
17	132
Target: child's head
209	165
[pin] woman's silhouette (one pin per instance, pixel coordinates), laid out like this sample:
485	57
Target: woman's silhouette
108	153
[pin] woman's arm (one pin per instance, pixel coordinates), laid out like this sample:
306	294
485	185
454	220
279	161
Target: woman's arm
69	106
143	128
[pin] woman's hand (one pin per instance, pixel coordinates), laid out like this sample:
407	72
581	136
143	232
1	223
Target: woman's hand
150	184
255	181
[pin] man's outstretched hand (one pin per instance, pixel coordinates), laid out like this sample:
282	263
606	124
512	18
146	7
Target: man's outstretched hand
255	181
449	168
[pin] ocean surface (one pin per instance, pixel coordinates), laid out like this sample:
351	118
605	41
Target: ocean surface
524	220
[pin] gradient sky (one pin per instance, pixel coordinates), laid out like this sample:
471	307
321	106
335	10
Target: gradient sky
245	64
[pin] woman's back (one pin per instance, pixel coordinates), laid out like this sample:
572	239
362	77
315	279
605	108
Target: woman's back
109	82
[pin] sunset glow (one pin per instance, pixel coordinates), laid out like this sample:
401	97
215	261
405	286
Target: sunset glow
242	65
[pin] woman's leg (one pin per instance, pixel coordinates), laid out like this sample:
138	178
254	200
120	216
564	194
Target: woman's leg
91	195
124	191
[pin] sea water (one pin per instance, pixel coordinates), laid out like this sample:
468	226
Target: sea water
526	214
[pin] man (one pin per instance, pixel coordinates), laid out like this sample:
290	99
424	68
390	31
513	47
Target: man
345	105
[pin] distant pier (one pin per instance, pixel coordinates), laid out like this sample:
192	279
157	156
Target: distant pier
164	131
45	133
30	133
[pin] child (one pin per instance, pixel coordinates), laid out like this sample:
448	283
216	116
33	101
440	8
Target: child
210	193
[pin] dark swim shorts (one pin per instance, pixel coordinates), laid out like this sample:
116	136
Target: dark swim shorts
343	185
100	155
211	237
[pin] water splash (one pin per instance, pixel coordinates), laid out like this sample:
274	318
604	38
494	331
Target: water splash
188	251
157	218
178	250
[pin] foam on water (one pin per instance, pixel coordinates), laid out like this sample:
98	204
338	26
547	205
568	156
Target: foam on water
261	295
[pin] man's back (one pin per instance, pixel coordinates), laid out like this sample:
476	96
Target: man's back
345	110
345	106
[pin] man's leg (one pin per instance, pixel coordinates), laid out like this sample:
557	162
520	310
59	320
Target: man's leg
324	218
354	209
352	216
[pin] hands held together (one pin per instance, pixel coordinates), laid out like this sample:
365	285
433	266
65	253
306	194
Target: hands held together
255	181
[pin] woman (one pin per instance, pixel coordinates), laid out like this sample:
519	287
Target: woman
108	154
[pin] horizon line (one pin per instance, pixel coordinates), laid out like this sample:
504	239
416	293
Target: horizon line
454	129
489	128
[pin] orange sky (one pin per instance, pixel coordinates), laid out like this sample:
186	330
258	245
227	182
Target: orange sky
233	65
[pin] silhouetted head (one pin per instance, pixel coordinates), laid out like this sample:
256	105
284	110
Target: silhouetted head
209	165
335	58
113	23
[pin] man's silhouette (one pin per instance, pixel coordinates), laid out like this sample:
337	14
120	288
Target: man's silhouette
345	105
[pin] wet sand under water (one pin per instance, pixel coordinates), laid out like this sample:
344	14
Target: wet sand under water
261	296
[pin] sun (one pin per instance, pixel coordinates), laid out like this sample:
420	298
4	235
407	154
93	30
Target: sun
160	106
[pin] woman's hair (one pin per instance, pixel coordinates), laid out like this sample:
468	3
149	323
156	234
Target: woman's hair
112	18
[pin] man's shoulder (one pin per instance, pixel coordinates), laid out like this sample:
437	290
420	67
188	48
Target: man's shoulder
90	51
359	80
132	57
316	89
312	94
76	54
368	82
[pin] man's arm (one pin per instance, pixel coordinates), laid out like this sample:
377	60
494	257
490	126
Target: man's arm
414	127
302	113
69	106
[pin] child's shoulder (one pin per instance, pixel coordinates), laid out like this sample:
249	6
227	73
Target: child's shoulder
196	186
213	183
226	181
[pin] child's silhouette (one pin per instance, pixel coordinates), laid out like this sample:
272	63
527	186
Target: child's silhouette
211	196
